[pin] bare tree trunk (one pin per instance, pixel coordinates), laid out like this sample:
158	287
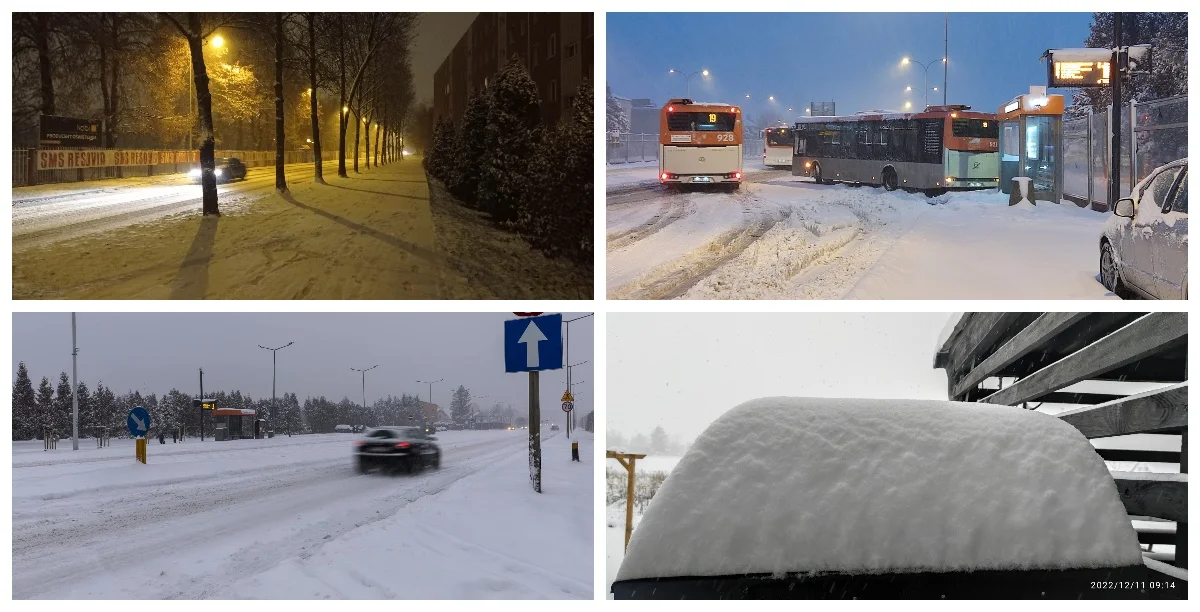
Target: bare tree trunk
357	140
280	177
318	168
344	103
377	130
114	84
367	148
41	35
208	180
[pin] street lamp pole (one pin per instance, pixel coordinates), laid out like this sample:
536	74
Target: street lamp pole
364	383
687	78
274	410
926	66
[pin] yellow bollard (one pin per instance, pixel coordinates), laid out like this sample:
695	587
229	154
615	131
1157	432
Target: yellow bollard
140	450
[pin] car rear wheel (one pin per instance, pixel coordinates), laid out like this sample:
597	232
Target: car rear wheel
890	182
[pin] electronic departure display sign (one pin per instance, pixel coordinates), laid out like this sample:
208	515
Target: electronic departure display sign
1065	73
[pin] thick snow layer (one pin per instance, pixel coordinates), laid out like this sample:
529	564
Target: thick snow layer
287	518
781	485
784	237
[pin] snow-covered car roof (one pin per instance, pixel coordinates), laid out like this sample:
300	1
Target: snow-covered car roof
780	485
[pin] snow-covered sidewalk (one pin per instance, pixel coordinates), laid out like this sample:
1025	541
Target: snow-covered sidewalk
288	518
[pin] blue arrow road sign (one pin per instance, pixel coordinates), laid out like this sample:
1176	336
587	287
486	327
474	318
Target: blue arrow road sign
533	343
138	421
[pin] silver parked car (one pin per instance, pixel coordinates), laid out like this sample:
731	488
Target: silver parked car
1144	247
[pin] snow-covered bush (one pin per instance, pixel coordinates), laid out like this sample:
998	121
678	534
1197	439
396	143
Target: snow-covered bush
441	155
559	219
513	137
471	152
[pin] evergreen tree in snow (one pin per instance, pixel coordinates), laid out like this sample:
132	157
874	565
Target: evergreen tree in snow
614	115
460	405
104	407
61	415
1166	65
514	134
45	407
441	155
85	410
559	218
471	146
659	443
24	406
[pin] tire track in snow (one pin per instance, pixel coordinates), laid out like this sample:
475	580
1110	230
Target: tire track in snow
669	212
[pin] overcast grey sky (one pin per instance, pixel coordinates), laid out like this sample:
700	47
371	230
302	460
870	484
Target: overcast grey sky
682	371
154	352
436	36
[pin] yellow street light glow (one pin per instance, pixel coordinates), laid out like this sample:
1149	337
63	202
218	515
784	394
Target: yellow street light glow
345	109
308	91
218	42
908	105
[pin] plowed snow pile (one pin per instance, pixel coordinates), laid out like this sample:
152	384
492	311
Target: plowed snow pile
783	484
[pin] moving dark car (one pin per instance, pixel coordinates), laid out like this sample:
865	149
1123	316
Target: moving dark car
225	168
395	449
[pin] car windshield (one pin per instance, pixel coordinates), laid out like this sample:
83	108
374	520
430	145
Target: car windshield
382	434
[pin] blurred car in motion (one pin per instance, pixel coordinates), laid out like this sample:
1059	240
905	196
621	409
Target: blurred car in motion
225	169
554	428
1143	250
395	449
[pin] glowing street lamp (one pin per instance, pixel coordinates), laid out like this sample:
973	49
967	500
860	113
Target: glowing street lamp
906	61
217	42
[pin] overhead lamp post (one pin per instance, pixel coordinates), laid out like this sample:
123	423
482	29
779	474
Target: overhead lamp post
274	411
688	78
926	65
364	382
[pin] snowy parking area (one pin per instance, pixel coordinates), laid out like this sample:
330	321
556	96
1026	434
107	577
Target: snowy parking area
785	237
287	518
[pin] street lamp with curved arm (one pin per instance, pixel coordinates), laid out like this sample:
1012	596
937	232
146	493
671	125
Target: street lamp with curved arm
688	78
925	65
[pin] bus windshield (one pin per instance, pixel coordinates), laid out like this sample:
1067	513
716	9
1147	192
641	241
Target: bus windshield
700	122
975	128
781	137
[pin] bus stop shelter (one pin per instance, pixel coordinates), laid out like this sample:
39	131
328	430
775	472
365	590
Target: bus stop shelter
1031	143
237	423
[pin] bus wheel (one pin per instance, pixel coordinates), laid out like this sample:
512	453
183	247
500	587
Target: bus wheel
890	182
817	173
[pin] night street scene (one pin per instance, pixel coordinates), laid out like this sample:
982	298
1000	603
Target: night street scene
896	156
322	463
969	456
303	155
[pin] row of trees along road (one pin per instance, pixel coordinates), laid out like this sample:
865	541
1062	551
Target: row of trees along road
141	73
49	406
501	160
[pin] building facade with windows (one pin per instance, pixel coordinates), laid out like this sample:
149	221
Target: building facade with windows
556	48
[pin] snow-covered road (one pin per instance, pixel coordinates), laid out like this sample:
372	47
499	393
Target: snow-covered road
287	518
47	214
784	237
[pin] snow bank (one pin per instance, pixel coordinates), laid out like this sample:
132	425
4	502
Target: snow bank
782	485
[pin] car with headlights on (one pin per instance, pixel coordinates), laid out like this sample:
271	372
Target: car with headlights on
224	168
396	449
1143	250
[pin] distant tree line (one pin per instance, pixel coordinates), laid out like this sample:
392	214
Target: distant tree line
49	407
500	159
657	443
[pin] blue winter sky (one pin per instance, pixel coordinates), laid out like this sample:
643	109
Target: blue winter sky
851	58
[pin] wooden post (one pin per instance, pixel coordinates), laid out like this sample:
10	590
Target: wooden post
629	462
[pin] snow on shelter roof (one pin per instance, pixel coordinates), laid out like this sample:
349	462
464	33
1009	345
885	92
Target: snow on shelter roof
782	484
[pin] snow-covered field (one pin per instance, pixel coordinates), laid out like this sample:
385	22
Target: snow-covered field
784	237
287	518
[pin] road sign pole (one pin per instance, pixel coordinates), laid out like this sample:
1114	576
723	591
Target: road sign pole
201	407
535	433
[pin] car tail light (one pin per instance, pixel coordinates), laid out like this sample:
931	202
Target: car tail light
358	443
406	444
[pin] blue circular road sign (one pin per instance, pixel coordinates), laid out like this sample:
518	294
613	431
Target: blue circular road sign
138	421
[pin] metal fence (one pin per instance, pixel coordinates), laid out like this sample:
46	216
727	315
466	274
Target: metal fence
1155	133
23	162
629	148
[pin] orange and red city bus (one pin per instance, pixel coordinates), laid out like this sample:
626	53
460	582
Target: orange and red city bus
941	148
777	147
700	143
